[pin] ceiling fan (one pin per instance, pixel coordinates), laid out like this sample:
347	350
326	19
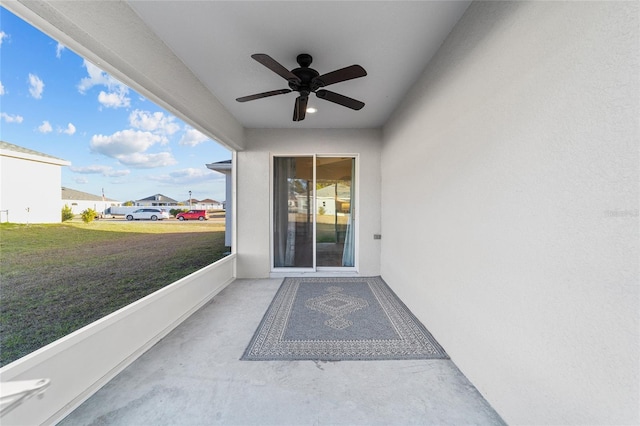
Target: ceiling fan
306	80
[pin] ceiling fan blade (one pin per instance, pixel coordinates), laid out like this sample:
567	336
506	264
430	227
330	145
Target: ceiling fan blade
343	74
300	109
275	66
340	99
263	95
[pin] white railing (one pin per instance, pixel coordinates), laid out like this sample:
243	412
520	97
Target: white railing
79	364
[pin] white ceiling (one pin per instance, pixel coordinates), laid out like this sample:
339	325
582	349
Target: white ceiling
392	40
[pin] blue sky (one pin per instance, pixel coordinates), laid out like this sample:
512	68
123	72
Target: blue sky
55	102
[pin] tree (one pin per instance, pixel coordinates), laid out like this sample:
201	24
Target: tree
129	203
67	213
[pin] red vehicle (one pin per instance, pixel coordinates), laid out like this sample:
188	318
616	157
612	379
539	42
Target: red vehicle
192	214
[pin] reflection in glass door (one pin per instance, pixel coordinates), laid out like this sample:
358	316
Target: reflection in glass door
292	215
334	227
297	243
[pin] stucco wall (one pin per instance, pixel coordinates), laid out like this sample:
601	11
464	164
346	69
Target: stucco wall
32	185
254	189
516	241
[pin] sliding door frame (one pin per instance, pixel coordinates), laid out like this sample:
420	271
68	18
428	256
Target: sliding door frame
354	208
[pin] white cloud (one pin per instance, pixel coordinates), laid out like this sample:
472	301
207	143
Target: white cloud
117	173
70	130
107	171
11	118
93	169
45	127
81	180
189	175
125	142
130	146
147	161
117	99
116	95
1	89
36	86
3	35
153	122
59	48
192	137
96	77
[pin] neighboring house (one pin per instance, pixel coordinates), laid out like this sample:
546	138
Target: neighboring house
498	196
209	204
157	200
80	201
191	202
334	199
29	185
206	204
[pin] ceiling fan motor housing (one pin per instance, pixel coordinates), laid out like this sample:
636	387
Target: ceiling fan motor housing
306	75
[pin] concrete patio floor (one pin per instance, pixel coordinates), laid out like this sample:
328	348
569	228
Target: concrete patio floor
194	376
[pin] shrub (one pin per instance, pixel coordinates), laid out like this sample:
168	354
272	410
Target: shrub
88	215
67	213
174	212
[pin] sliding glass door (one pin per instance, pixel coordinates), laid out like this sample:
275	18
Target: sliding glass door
293	221
334	193
313	220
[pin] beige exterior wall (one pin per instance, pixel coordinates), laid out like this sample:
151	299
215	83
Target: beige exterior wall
510	207
254	170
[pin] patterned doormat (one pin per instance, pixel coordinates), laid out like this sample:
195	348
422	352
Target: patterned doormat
340	319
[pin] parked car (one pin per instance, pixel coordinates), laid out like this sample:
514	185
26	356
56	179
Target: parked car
152	214
192	214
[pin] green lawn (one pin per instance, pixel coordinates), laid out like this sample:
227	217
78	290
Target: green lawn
55	279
